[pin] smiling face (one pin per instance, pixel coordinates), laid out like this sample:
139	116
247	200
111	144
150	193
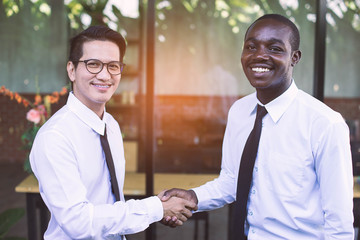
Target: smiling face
267	58
94	90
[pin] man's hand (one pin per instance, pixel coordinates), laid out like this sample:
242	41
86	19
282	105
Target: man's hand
181	193
189	195
178	209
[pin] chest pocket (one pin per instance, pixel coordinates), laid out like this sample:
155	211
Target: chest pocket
284	174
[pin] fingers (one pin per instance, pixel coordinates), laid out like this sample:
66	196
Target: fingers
167	218
175	192
181	217
190	205
178	209
169	193
161	194
178	205
174	222
178	223
187	213
189	195
171	222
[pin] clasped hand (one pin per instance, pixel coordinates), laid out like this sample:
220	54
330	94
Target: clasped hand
178	205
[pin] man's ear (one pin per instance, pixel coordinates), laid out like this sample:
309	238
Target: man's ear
71	70
295	58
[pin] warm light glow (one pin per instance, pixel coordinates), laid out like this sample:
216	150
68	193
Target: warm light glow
127	8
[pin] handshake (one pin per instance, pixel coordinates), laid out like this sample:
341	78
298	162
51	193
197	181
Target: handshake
178	205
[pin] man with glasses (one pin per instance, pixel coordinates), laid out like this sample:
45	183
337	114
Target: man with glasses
78	155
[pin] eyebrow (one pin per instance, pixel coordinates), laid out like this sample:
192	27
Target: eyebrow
272	40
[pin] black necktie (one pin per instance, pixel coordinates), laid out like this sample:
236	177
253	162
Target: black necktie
245	175
110	164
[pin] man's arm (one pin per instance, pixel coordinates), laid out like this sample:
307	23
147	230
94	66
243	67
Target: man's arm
65	194
333	166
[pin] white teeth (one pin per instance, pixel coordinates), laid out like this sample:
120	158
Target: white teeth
102	86
260	70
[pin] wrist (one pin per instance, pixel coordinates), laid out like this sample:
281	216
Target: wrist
193	195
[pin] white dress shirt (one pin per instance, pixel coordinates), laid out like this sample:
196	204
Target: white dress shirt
74	180
302	184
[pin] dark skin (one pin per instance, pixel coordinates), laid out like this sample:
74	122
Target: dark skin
188	195
268	61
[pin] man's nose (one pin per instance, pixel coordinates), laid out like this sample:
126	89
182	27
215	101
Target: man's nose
104	73
262	53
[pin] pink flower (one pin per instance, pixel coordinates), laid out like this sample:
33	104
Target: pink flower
42	110
33	116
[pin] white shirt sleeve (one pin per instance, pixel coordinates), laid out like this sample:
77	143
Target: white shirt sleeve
334	174
62	187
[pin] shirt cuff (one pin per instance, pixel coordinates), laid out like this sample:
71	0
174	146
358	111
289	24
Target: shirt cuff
154	208
201	195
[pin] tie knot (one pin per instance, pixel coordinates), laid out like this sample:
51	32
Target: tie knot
105	135
260	112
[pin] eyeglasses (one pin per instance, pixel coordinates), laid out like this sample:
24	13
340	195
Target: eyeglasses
95	66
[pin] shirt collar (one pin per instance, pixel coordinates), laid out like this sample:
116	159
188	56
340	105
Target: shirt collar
85	114
278	106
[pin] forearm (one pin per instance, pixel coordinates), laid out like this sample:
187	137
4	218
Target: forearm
128	217
87	221
216	193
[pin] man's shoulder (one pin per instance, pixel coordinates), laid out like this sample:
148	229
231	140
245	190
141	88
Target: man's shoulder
62	114
62	122
244	102
317	108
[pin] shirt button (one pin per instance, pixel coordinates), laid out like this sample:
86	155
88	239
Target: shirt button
253	191
253	230
251	213
256	169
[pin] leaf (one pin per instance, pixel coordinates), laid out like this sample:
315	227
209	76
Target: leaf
27	138
27	166
8	218
116	11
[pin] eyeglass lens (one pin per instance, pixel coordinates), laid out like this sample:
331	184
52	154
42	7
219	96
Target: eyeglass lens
95	66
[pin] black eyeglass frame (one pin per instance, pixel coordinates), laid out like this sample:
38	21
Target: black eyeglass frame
122	65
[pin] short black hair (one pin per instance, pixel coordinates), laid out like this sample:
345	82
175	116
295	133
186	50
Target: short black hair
295	35
98	32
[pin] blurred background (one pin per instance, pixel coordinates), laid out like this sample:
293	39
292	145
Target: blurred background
197	76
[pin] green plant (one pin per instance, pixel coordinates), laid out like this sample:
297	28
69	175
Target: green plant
39	113
8	218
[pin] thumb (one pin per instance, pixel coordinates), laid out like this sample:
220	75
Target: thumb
161	194
165	196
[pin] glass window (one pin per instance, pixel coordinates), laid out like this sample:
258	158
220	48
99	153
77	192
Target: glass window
33	36
198	74
342	68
